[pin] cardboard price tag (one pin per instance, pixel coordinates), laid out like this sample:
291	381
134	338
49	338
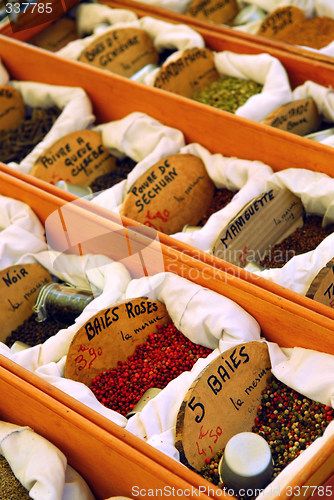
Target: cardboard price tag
111	336
322	287
12	108
300	117
281	21
124	51
218	11
192	71
263	222
78	157
56	36
175	191
20	285
221	402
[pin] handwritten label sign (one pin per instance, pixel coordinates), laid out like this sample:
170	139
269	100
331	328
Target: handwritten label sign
263	222
322	287
124	51
281	21
111	336
19	286
12	108
56	36
175	191
78	157
300	117
192	71
221	402
218	11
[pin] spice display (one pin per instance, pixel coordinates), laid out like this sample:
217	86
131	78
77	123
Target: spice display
317	33
10	485
32	333
123	168
288	421
163	357
228	94
221	198
301	241
17	143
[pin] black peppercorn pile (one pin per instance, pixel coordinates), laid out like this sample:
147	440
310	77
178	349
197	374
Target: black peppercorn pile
17	143
221	198
33	333
303	240
123	168
288	421
10	487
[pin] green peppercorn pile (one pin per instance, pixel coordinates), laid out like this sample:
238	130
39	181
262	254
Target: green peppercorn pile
17	143
228	93
123	168
288	421
164	356
11	488
33	333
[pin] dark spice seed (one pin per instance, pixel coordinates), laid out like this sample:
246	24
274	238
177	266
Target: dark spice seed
17	143
163	357
301	241
221	198
123	168
11	488
33	333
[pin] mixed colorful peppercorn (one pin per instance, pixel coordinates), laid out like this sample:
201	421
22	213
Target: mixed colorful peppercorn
163	357
288	421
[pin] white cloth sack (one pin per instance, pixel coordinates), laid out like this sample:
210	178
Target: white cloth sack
316	191
163	35
295	367
39	466
261	68
88	15
311	8
215	314
75	105
180	6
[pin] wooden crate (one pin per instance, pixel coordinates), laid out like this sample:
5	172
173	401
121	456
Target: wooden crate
268	44
96	447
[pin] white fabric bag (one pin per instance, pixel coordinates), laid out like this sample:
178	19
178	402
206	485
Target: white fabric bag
180	6
261	68
75	105
244	176
163	35
39	466
89	15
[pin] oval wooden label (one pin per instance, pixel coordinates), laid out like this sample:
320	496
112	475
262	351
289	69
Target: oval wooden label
263	222
218	11
221	402
192	71
281	21
299	117
56	36
12	108
78	157
111	336
124	51
20	285
175	191
322	287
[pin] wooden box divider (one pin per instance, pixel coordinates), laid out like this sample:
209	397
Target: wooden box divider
104	446
268	44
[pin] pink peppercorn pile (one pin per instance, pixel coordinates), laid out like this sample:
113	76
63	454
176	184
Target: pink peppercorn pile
163	357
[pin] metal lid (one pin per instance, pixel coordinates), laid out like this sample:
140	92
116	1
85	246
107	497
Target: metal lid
320	136
191	229
249	14
142	73
253	266
39	306
146	397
